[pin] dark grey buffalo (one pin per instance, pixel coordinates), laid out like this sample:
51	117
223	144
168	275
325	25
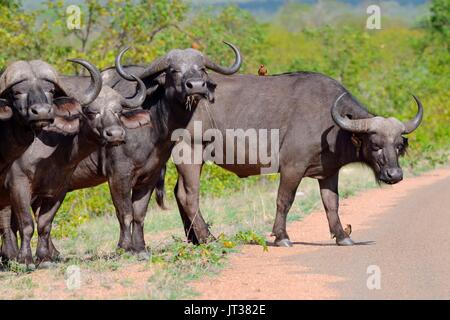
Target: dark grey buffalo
322	127
32	98
40	177
177	86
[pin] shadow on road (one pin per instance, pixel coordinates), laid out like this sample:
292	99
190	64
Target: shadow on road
321	244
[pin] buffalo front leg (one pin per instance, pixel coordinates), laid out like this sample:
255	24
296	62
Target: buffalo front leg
120	188
330	199
289	180
45	250
36	207
187	196
20	204
9	248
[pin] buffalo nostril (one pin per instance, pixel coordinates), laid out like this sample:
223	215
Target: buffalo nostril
34	111
394	173
189	85
203	84
115	133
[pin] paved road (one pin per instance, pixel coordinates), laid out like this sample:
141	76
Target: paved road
403	232
411	248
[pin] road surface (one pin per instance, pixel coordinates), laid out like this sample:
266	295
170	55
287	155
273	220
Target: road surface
403	232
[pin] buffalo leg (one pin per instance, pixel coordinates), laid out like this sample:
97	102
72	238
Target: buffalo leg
45	250
330	198
9	248
120	188
289	181
187	196
141	197
20	204
36	207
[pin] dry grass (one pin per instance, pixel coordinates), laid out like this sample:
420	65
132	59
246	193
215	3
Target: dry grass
106	274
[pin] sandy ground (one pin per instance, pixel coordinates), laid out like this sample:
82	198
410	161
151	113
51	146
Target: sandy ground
402	232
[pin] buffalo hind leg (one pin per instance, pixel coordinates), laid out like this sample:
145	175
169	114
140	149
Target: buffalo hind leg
45	251
120	188
9	248
330	198
187	196
141	197
290	178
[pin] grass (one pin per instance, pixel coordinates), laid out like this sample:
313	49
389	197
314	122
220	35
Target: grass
238	218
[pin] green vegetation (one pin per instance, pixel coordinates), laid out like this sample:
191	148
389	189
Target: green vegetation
380	67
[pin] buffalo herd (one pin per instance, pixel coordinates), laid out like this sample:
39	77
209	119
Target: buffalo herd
62	133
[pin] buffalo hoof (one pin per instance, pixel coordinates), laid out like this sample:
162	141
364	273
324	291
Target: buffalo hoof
26	267
283	243
345	242
26	261
143	256
47	265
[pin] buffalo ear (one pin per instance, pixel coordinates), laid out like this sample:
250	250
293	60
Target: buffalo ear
405	146
5	110
211	89
161	79
155	83
67	116
64	126
67	107
136	119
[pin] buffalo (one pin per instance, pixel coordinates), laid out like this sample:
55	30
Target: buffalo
33	98
105	115
178	85
321	128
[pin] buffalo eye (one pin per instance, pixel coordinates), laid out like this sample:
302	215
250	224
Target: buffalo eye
376	147
92	115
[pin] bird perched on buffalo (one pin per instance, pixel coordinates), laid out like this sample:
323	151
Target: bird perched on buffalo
348	230
195	45
262	71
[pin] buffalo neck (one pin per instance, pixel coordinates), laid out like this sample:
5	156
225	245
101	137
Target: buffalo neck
347	152
168	115
84	143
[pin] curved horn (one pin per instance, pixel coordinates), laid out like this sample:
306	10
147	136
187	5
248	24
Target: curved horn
91	93
360	125
412	125
225	70
138	99
119	67
155	67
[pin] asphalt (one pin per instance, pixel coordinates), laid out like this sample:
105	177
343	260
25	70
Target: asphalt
402	251
408	247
